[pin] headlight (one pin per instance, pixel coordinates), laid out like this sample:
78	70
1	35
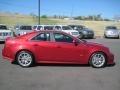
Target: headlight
85	32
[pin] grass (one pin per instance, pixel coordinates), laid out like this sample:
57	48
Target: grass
12	20
97	26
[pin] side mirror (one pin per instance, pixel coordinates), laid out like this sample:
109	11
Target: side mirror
76	42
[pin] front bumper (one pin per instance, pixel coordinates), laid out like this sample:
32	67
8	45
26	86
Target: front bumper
88	35
110	58
111	35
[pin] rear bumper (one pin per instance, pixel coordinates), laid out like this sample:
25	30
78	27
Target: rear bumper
5	56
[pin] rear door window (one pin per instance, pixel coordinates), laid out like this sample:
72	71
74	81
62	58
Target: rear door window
42	37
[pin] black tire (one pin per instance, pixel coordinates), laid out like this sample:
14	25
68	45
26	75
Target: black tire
118	37
105	36
25	59
96	62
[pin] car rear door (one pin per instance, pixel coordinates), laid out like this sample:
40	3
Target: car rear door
44	47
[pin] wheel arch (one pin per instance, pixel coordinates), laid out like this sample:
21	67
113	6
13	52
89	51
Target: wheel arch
106	57
24	50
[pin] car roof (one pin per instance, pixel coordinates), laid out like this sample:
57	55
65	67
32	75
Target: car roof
3	24
31	34
43	25
23	25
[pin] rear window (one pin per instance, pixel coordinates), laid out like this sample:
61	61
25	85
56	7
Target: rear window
26	28
3	27
48	27
111	27
66	28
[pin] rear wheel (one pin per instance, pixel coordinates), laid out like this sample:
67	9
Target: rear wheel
98	60
25	58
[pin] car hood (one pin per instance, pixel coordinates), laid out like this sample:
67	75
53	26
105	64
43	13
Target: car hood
5	30
113	30
96	45
86	29
71	30
68	31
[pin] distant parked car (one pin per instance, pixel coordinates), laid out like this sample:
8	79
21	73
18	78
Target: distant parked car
111	32
63	28
43	27
4	32
83	31
67	29
50	46
22	29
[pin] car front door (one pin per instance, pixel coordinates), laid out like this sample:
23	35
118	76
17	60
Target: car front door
65	50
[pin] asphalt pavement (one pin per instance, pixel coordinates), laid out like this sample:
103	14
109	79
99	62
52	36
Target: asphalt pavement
62	77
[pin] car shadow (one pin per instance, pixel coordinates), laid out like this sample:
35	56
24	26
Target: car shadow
62	65
68	65
2	42
111	65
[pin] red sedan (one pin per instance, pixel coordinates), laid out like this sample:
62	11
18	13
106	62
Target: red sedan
55	47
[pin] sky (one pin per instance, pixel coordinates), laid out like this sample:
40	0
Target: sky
107	8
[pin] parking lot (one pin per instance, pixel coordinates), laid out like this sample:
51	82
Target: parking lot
62	77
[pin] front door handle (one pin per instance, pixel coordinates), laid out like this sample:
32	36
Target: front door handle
35	45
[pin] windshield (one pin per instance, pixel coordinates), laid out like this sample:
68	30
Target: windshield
26	28
66	28
48	27
3	27
79	27
111	27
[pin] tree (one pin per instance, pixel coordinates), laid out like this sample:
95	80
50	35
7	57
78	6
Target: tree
44	16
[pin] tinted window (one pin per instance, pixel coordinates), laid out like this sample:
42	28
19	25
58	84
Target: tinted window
62	38
111	27
48	27
66	28
3	27
78	27
34	27
42	37
39	28
57	28
26	28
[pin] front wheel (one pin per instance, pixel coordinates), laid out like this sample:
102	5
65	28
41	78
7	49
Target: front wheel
98	60
25	58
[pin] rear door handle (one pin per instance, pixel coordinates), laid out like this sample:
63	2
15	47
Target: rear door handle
58	46
35	45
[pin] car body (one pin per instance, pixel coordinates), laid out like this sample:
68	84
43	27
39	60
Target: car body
83	31
22	29
42	27
55	47
111	32
4	32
